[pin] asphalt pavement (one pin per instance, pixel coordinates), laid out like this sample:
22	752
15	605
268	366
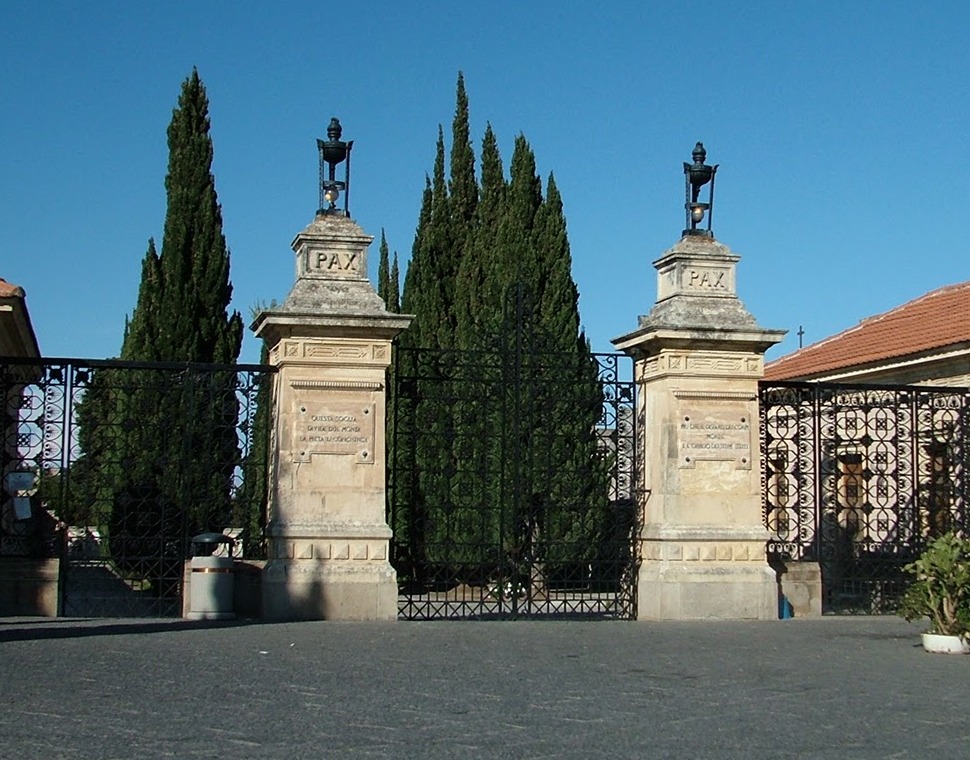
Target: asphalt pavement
858	687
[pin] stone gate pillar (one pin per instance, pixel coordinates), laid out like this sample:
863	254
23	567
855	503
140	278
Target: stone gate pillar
699	355
331	342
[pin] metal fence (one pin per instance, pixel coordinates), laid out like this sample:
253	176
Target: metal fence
511	477
858	478
114	466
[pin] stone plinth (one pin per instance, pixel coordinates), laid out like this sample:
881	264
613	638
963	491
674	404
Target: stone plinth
29	586
699	355
331	341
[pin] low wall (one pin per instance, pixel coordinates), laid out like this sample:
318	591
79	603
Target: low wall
801	585
29	586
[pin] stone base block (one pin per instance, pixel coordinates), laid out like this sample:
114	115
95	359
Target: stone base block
29	586
801	584
248	594
715	591
310	590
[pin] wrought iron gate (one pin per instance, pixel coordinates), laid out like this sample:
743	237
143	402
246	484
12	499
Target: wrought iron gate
119	464
857	478
510	482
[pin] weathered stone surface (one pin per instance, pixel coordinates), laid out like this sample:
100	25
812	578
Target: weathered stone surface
699	356
331	270
331	341
29	586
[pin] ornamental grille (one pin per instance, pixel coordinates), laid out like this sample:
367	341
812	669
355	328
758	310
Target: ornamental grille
113	466
858	478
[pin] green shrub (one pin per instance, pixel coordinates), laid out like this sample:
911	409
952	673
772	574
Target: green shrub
941	589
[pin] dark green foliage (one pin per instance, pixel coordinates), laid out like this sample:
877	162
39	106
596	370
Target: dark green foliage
477	303
490	274
941	586
158	455
388	279
383	271
394	292
193	323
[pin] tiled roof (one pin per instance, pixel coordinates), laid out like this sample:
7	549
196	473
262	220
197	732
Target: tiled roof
10	291
938	319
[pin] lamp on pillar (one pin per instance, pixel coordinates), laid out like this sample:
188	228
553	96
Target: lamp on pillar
696	175
334	151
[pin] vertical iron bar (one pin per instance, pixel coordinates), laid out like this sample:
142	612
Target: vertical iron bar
710	200
816	404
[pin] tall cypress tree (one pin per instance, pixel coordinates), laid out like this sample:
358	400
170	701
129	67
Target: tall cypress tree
462	187
384	272
414	295
574	475
388	278
394	287
194	324
490	272
473	302
168	449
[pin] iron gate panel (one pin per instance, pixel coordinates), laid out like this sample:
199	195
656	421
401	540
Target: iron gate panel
128	461
858	478
510	483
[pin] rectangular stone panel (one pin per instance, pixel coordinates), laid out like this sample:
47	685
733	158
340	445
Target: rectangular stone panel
719	432
334	427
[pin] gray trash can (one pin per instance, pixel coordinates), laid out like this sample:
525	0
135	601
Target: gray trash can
211	588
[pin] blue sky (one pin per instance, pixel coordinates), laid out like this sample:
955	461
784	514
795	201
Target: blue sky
841	130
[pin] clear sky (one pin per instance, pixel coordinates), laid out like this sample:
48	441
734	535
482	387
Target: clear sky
841	130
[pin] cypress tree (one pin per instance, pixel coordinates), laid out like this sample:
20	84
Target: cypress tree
575	477
462	187
194	324
440	258
383	272
165	451
514	260
394	289
474	302
388	278
140	340
413	297
490	274
556	295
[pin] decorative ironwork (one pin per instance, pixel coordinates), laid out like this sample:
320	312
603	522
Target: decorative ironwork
858	478
511	481
117	498
334	151
696	175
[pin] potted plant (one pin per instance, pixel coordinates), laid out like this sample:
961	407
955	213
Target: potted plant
941	592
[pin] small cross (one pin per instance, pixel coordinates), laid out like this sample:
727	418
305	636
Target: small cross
801	334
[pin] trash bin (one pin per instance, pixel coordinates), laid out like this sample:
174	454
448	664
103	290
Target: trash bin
211	588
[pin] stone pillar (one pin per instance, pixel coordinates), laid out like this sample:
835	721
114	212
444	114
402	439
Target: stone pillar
331	341
699	355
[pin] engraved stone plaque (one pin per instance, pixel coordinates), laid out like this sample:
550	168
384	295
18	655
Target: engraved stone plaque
334	427
714	433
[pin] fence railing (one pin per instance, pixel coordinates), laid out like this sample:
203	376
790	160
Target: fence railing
118	464
859	477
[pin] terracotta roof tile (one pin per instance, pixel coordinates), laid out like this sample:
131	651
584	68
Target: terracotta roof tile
939	318
7	290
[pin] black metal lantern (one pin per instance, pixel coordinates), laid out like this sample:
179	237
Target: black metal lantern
334	151
696	175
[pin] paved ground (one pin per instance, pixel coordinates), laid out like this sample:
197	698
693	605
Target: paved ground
830	688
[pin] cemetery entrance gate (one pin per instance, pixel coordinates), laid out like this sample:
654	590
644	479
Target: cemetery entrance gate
511	475
117	465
